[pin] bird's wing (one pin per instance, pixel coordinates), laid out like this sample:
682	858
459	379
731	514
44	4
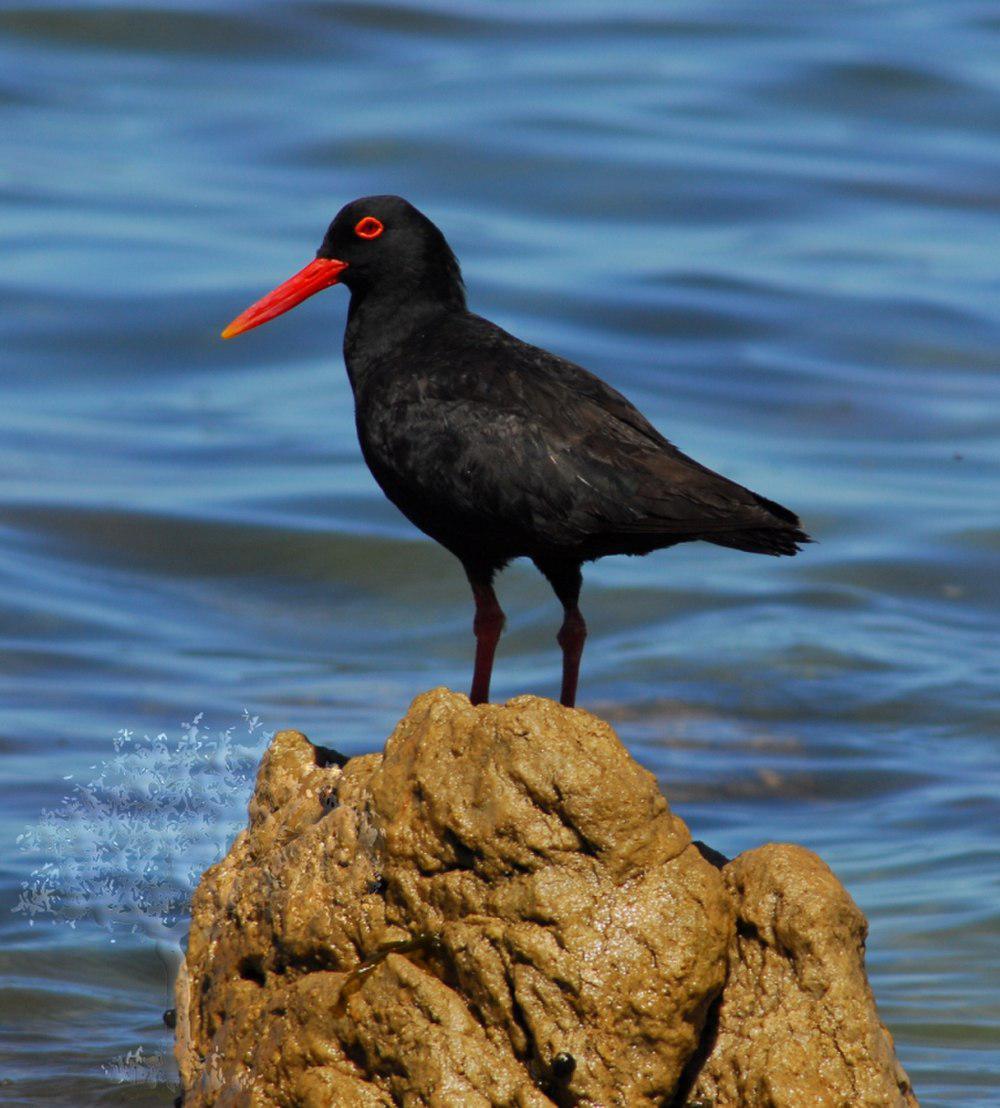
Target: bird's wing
535	437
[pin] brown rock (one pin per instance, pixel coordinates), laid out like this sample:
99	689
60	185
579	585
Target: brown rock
501	909
797	1024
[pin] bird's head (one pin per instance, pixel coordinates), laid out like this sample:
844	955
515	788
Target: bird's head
375	245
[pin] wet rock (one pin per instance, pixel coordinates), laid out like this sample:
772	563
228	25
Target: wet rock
796	1023
501	909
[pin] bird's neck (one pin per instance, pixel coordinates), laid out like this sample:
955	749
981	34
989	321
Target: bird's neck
379	324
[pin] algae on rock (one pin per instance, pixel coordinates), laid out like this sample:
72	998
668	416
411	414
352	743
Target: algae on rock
501	909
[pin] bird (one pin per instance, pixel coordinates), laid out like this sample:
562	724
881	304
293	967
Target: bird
498	449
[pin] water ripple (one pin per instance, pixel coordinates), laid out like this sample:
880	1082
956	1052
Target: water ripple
774	228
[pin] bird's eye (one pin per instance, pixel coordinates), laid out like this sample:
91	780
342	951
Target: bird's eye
368	228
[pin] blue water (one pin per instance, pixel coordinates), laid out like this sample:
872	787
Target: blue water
774	227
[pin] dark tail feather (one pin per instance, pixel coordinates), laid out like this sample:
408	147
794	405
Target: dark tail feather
785	537
763	540
778	510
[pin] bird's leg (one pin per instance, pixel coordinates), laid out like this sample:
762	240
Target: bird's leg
487	626
571	638
566	581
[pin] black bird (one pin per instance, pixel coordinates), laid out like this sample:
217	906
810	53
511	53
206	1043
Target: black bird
498	449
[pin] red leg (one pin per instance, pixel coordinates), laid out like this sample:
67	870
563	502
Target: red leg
566	581
487	625
572	635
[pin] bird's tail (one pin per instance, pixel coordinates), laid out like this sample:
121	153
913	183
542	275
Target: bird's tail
784	537
763	540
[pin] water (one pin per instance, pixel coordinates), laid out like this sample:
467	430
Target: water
773	227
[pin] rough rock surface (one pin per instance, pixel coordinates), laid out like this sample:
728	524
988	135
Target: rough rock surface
797	1022
501	909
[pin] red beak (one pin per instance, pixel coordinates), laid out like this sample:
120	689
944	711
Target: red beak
317	275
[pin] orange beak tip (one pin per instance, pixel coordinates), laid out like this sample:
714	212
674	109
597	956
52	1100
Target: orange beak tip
318	274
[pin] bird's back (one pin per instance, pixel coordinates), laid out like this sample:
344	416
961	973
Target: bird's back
487	442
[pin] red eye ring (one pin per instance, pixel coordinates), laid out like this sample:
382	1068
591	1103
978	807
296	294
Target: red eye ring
368	228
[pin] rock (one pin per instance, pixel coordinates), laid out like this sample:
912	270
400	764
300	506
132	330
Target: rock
796	1023
501	909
